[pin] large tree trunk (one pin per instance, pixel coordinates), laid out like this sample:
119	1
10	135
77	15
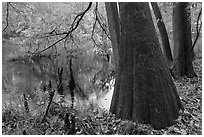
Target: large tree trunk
183	55
144	90
114	28
163	33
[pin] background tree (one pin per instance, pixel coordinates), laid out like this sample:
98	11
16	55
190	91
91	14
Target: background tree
144	90
183	55
114	27
198	30
163	33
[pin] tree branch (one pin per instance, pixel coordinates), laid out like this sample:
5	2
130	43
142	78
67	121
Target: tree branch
17	10
98	19
94	25
80	16
197	29
7	16
74	26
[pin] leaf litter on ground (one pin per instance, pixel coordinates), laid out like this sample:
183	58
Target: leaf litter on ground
98	121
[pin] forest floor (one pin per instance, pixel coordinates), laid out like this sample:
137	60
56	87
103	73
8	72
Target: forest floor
96	121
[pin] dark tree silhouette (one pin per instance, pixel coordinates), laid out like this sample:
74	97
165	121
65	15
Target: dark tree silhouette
114	27
26	103
182	55
144	90
72	84
163	33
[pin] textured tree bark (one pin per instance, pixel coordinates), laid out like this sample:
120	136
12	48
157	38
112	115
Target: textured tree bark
182	55
163	33
114	28
144	90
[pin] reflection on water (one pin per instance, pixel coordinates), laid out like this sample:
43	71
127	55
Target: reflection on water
103	101
106	100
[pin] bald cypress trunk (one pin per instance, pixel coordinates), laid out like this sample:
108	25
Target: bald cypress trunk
144	90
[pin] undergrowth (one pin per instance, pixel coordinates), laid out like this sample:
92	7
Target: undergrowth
92	120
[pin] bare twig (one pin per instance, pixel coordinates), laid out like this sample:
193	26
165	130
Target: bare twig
7	16
17	10
94	25
100	22
53	32
74	26
98	19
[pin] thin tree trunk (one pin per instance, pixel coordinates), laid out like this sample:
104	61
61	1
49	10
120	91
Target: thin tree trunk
163	33
144	90
183	55
114	28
